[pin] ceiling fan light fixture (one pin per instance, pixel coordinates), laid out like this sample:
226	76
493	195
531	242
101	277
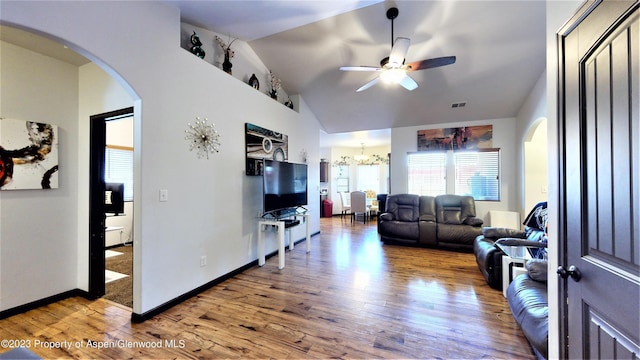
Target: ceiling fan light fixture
393	76
393	69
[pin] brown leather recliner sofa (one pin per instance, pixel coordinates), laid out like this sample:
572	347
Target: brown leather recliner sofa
447	221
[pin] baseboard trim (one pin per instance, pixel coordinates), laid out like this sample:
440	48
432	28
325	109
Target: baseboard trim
42	302
138	318
128	243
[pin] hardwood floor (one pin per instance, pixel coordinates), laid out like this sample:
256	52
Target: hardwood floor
351	297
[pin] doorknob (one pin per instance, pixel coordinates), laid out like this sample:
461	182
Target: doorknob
572	271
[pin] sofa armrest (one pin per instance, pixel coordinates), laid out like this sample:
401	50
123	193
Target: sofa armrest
473	221
498	232
520	242
386	216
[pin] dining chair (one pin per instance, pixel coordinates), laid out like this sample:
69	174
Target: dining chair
372	201
359	205
345	202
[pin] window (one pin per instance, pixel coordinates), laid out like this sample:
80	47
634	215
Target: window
342	180
475	173
119	168
478	174
368	178
427	173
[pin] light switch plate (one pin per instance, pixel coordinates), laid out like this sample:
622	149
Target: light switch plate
164	195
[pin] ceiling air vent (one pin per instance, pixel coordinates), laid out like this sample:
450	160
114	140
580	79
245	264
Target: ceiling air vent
459	104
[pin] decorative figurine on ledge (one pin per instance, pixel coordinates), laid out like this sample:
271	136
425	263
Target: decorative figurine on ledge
228	54
275	85
196	48
253	82
289	103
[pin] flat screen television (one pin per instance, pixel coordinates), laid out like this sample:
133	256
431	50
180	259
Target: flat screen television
114	198
284	186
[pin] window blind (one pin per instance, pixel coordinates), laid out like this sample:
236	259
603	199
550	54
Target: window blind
427	173
119	169
478	174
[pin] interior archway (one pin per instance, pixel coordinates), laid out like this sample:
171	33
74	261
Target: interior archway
535	164
100	89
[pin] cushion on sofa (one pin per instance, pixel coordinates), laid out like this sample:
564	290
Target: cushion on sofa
427	208
400	231
454	209
451	216
537	269
404	207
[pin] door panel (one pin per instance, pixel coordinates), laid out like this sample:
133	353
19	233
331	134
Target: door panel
600	203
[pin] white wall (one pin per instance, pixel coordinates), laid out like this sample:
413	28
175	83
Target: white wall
38	228
536	181
405	140
212	205
532	162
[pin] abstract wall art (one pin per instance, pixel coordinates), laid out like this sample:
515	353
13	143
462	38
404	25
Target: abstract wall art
28	155
262	144
459	138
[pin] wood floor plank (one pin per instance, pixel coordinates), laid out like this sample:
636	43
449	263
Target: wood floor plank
352	297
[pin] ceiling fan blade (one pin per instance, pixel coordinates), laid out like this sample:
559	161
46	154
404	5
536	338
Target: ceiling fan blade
399	50
368	85
431	63
360	68
408	83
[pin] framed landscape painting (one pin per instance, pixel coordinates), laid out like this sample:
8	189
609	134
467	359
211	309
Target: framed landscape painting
459	138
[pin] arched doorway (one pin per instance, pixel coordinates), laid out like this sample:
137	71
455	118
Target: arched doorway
95	94
535	164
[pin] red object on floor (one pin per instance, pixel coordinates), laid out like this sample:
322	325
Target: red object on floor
327	208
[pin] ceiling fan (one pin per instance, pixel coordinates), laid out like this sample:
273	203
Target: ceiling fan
392	69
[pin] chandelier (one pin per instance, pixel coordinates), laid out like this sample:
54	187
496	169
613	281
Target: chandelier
361	157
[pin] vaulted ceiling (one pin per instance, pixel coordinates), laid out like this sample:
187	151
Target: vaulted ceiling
499	46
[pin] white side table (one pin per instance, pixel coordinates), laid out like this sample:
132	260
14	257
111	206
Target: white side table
514	259
280	229
510	269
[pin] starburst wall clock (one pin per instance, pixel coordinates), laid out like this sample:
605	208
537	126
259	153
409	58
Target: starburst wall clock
203	138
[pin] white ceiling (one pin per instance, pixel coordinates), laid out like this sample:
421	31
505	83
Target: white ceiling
499	45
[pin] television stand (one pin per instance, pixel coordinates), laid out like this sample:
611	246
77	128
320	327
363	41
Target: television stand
290	223
281	225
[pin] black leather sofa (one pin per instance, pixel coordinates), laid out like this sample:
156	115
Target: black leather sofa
489	257
447	221
527	298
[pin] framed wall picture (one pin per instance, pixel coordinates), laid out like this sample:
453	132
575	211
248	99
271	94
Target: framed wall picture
459	138
262	144
28	155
